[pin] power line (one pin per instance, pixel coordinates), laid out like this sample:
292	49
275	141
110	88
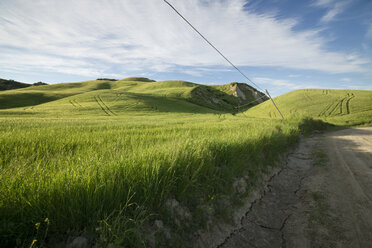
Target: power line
212	45
256	100
223	55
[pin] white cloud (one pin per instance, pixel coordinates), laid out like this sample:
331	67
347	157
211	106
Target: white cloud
323	3
369	32
335	7
279	86
359	87
127	37
283	83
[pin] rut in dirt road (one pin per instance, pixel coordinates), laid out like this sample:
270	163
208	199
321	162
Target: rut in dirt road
264	224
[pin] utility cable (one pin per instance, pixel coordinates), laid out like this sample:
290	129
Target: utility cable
212	45
256	100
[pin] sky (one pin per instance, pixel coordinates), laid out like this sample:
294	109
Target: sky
281	45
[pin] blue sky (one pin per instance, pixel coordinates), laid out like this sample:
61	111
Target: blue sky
281	45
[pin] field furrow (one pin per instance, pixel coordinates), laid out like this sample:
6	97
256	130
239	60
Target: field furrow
101	106
105	106
77	103
72	103
348	103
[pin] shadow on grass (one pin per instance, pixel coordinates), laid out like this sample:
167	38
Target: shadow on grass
308	125
26	99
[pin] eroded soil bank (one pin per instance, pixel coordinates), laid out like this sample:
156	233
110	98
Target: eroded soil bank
322	197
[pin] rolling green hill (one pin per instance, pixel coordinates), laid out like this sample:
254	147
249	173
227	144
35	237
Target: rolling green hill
344	107
102	97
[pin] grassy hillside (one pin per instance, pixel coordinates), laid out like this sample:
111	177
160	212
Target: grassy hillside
342	107
128	95
35	95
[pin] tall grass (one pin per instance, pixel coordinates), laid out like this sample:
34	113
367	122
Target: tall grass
87	174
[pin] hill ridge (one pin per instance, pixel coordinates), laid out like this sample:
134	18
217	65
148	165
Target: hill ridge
130	94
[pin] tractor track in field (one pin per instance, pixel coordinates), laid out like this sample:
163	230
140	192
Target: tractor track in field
324	111
348	103
335	107
72	103
107	108
102	106
343	105
75	103
307	96
118	96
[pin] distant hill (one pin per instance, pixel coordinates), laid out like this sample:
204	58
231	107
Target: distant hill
138	79
138	95
6	84
134	94
351	107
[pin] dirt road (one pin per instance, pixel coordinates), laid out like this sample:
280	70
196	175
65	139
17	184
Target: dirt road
321	198
346	182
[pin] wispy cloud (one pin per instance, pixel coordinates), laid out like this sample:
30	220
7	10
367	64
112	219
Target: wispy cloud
369	32
335	7
358	87
277	85
273	82
130	37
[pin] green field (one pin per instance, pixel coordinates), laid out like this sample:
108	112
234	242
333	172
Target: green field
101	159
340	107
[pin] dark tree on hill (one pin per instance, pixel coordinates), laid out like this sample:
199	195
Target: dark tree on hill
40	83
10	84
107	79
